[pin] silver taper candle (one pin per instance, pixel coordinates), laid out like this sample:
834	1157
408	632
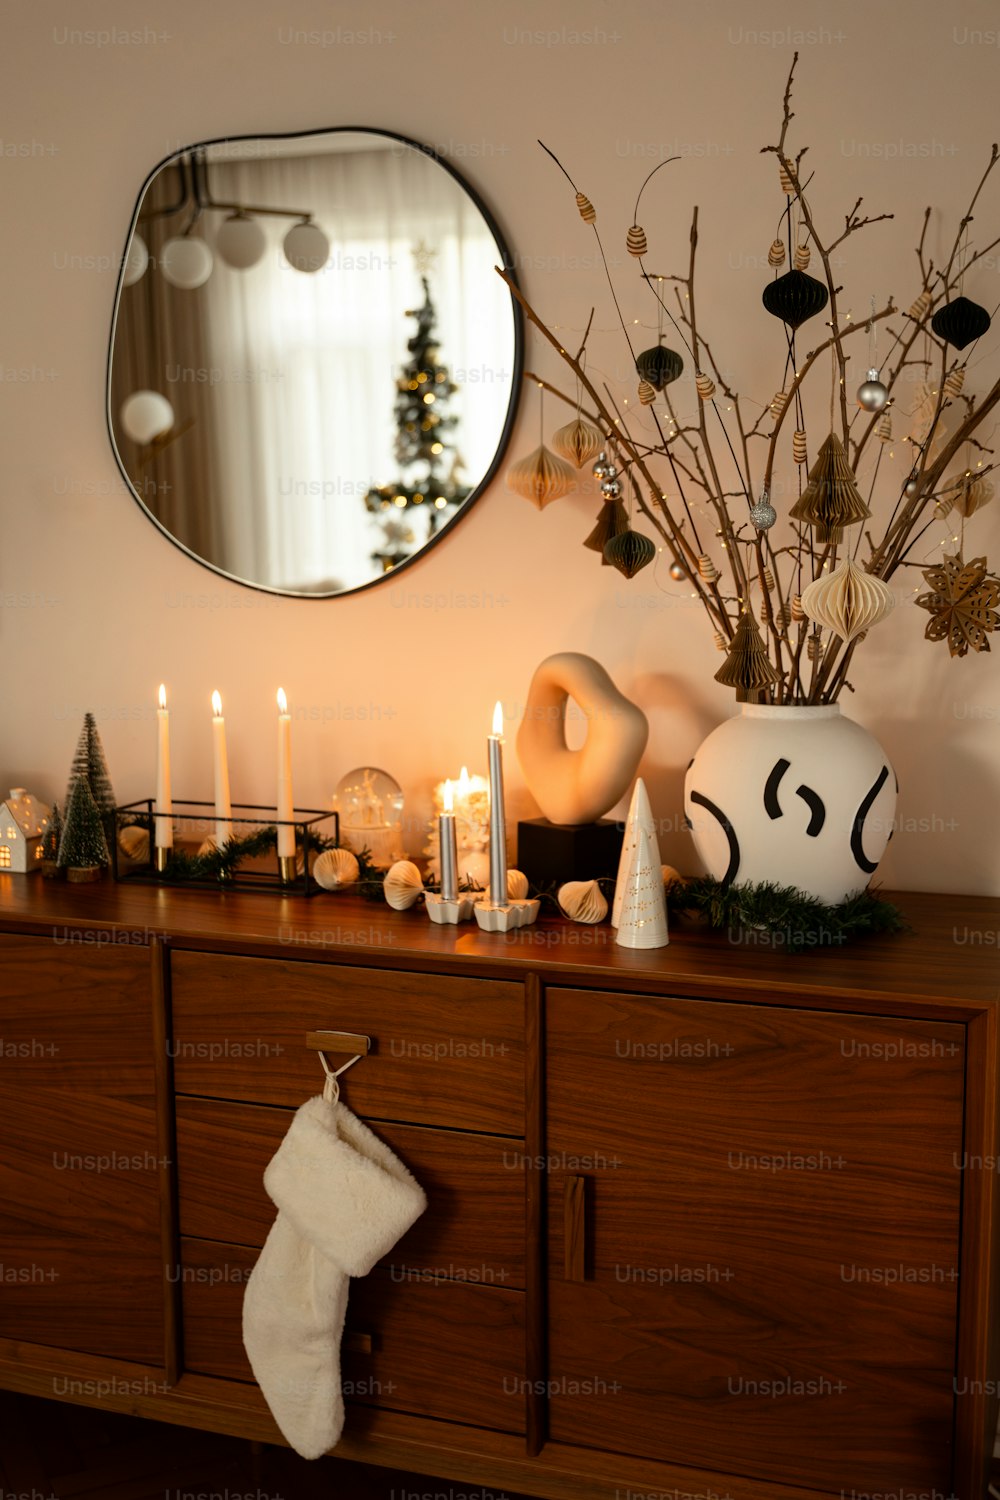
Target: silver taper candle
498	821
449	856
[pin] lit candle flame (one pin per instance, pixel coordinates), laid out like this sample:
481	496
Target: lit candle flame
464	782
498	719
449	797
282	702
217	704
163	695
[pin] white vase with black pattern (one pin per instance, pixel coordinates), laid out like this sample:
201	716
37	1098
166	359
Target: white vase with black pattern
796	796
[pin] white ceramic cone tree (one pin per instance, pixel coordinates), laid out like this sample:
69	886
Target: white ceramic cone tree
640	907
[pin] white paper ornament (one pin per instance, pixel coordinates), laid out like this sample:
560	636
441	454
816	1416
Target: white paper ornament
403	885
336	868
847	601
582	901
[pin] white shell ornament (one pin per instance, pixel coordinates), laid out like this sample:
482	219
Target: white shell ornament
848	601
336	868
517	885
134	842
582	901
403	885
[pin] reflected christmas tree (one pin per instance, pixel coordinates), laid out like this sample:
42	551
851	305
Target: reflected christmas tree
430	464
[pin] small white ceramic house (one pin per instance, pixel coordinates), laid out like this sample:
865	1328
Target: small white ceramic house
23	821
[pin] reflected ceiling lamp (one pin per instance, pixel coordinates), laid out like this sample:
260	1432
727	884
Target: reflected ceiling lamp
146	415
136	260
240	241
186	262
306	247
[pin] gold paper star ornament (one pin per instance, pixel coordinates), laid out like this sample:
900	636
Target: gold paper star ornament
963	604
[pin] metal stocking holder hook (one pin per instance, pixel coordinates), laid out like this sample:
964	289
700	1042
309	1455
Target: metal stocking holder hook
339	1042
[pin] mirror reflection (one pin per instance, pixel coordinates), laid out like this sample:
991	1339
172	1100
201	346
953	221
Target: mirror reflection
313	362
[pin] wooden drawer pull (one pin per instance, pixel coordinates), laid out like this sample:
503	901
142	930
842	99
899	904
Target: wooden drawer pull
340	1041
575	1229
356	1343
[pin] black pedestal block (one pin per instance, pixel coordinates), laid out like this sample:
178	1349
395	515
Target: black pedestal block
551	853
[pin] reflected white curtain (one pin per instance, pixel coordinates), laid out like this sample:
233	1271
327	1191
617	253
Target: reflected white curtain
302	367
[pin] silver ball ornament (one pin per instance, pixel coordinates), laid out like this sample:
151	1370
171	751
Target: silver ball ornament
873	395
763	514
611	489
911	487
602	467
677	573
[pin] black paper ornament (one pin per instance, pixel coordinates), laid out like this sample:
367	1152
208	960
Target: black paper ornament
960	322
629	551
659	365
795	297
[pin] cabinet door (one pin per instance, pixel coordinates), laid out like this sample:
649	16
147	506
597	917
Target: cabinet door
754	1235
80	1260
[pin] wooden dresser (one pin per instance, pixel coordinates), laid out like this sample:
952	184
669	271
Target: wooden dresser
713	1220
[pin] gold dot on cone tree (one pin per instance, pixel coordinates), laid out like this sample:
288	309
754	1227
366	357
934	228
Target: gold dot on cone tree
831	500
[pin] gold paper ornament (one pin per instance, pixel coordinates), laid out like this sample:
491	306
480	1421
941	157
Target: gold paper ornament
629	551
813	646
769	580
963	604
705	386
831	500
883	427
578	442
588	213
800	452
778	403
803	255
954	381
847	601
612	521
921	306
707	570
635	241
720	641
967	494
746	667
798	613
776	254
541	477
787	185
647	393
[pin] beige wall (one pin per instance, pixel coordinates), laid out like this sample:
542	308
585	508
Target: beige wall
898	103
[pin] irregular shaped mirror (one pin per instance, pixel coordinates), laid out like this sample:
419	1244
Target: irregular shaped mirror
314	365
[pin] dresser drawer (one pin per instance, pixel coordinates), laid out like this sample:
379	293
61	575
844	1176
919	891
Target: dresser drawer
454	1352
445	1051
473	1229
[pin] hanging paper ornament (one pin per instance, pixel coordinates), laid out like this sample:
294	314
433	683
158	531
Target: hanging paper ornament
720	641
814	647
776	254
883	428
763	514
707	571
629	551
921	306
960	322
746	667
778	403
588	213
785	615
800	452
678	572
612	521
803	255
955	380
798	613
769	580
705	386
872	395
787	185
541	477
577	442
831	500
963	604
847	601
966	494
659	365
635	241
795	297
647	394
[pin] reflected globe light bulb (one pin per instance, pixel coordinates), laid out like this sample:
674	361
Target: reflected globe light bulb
146	415
136	261
306	247
241	242
186	262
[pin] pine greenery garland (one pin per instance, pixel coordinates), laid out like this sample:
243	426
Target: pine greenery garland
783	917
83	845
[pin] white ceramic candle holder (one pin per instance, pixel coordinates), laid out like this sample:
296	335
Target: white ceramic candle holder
460	910
506	916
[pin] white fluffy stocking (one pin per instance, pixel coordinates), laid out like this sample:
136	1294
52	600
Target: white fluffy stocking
343	1200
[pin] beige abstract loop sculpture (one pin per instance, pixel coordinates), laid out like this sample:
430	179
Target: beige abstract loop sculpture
578	786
